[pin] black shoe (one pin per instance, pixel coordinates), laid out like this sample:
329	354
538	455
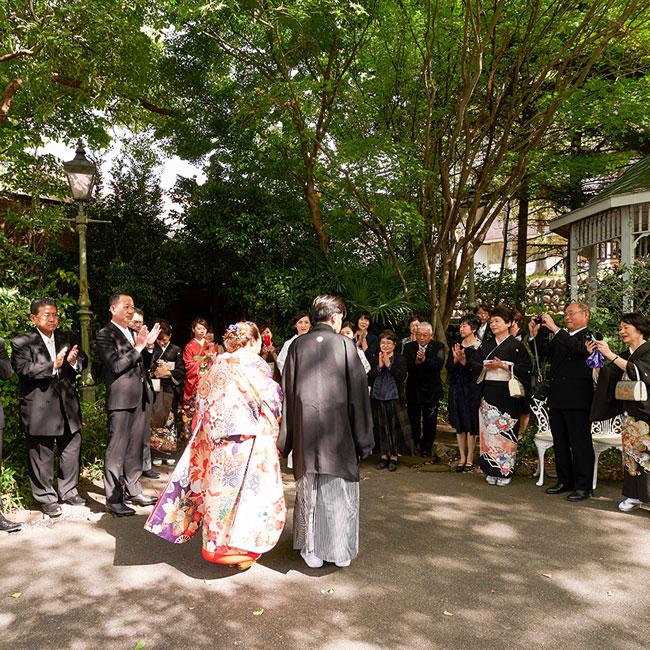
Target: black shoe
76	500
150	474
120	509
8	526
558	488
460	468
141	500
52	509
382	464
579	495
392	465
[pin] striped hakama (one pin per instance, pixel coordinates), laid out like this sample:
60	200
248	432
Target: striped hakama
326	517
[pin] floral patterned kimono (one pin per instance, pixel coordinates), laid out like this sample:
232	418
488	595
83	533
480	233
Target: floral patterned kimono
228	482
195	368
498	412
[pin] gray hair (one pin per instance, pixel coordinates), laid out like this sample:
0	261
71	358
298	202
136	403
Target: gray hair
425	326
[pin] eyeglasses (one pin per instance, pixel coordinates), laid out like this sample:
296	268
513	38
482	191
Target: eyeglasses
574	311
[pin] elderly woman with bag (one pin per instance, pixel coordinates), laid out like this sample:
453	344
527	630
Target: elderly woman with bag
502	367
623	387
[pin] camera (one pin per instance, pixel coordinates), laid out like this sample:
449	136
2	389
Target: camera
538	320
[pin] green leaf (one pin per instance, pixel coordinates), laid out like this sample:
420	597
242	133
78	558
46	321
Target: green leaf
139	645
258	612
17	595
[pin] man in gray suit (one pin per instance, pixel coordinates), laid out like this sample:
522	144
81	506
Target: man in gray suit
47	361
5	373
126	358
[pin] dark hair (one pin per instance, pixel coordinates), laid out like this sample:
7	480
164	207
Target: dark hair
517	316
483	307
199	321
300	315
639	321
165	327
36	305
139	311
324	307
472	320
366	315
264	326
115	298
415	317
349	325
388	334
502	312
239	334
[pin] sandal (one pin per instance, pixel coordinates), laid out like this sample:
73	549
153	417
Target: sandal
460	468
469	468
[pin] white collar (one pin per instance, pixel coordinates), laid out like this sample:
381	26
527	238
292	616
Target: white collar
129	334
576	331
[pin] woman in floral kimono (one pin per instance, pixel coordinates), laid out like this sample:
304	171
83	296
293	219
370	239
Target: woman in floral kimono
228	482
198	354
632	364
498	411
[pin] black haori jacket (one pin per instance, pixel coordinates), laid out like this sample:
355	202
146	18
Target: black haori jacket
326	415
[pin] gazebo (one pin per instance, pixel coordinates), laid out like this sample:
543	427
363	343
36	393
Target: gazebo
614	224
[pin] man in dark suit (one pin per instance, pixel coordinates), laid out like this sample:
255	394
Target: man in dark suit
126	359
47	361
5	373
571	394
424	360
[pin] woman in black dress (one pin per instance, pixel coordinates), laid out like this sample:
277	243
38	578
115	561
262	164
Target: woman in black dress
392	428
463	391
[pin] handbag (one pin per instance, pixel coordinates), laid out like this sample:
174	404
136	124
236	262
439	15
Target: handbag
515	387
542	391
161	408
628	390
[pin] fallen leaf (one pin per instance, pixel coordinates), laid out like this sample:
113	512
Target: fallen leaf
258	612
207	582
381	497
547	575
494	591
609	593
330	590
190	608
366	478
446	613
571	598
139	644
17	595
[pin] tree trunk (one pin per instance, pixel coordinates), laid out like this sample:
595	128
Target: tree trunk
7	97
522	245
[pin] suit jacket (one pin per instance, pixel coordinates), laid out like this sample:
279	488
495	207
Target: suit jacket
173	384
47	400
571	381
424	384
5	373
326	416
126	371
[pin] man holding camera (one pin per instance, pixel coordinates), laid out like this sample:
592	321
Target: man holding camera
571	394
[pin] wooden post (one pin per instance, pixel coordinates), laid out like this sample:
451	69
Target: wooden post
593	275
627	255
573	266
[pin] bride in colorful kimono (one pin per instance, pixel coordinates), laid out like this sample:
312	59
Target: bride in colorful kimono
498	359
228	482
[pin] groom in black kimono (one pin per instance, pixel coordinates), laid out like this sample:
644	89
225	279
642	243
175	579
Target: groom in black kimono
327	422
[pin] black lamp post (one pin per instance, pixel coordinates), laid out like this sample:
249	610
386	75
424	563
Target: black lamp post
82	174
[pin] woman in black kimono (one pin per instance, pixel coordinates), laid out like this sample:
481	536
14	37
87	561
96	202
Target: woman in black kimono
497	360
635	364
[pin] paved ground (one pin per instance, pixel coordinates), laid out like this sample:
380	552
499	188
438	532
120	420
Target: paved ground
446	561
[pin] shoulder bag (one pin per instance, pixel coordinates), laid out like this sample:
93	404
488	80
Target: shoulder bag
631	391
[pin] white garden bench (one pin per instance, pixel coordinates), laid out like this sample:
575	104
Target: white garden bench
604	435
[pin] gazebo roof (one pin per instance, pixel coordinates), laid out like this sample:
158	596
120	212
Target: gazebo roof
631	187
